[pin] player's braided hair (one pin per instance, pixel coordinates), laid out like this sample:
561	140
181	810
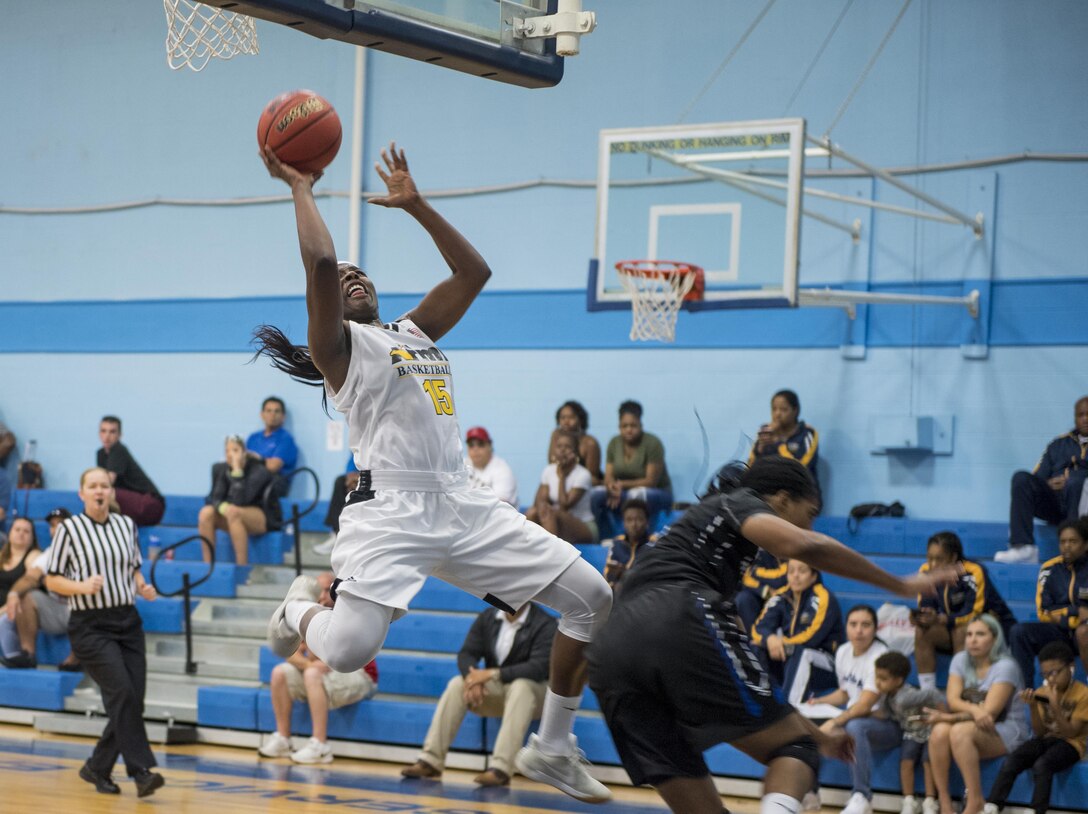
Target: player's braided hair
767	476
294	360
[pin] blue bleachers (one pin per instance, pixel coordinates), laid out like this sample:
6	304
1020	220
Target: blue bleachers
36	689
224	579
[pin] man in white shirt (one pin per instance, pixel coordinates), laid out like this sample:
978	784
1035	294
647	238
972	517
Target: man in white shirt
488	469
515	649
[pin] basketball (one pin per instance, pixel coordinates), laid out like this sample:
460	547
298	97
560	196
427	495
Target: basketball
302	129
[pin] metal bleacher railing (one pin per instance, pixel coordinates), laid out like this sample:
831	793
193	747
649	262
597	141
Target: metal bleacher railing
293	522
185	590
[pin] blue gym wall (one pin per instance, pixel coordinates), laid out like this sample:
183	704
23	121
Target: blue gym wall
145	311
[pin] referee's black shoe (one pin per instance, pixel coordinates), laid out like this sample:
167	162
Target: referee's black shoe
147	782
102	783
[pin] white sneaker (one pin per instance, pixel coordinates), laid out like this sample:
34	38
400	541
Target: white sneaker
568	772
314	751
811	801
858	804
931	806
1025	553
910	805
325	546
281	638
991	808
275	745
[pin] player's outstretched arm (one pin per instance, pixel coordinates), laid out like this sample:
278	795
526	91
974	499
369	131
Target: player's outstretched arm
326	333
447	302
786	541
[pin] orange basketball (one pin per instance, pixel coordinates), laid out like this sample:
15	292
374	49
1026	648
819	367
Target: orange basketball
302	129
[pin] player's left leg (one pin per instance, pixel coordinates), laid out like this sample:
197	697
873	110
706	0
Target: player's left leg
583	600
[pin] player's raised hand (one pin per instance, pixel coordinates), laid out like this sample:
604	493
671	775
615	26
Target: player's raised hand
397	178
285	172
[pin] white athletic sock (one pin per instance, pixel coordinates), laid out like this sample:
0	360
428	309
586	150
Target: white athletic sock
294	612
927	681
775	803
557	722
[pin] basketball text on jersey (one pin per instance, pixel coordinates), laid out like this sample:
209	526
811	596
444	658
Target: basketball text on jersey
410	361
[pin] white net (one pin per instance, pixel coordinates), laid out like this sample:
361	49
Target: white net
657	289
195	33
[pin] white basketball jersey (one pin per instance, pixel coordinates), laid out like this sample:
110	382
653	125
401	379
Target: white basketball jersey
398	400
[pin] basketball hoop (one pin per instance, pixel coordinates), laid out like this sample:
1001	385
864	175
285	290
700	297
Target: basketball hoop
657	289
197	32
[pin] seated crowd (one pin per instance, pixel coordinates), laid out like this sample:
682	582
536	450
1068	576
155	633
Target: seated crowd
834	668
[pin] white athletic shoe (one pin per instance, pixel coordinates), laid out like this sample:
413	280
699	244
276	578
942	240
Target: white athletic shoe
911	805
858	804
313	752
568	772
325	546
931	806
281	638
991	808
275	745
811	801
1024	553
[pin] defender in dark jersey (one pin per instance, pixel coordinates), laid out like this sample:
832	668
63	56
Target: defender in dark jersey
673	668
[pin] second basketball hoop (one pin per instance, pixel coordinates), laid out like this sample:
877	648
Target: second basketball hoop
657	289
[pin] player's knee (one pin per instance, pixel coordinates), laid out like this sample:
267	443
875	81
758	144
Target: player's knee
804	750
584	622
349	659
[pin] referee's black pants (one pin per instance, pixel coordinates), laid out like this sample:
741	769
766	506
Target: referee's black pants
110	645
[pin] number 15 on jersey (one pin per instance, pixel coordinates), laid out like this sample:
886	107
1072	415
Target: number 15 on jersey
436	389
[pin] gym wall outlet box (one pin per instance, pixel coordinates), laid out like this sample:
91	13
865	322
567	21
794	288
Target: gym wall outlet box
901	433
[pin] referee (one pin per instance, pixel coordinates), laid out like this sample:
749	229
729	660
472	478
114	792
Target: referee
95	561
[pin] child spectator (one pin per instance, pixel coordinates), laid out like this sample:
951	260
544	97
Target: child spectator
800	629
941	620
573	418
904	705
635	539
561	505
1061	601
1059	721
764	578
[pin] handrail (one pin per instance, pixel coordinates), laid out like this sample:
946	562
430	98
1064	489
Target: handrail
292	523
317	487
186	591
162	552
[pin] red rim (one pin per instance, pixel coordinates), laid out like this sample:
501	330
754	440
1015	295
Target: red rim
655	268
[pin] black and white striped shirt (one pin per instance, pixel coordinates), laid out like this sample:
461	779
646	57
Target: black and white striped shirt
83	548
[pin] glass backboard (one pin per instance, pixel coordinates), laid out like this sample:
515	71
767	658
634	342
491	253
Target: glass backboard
725	197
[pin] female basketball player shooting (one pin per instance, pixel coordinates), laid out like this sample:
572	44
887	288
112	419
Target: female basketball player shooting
414	514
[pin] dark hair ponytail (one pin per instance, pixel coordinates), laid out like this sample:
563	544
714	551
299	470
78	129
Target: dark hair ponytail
767	476
294	360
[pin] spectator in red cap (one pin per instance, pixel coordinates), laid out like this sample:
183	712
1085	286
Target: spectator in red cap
488	469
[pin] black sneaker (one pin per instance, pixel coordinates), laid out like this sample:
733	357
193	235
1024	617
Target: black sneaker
147	782
102	783
23	661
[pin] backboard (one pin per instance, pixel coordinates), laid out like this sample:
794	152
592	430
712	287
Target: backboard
726	197
472	36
